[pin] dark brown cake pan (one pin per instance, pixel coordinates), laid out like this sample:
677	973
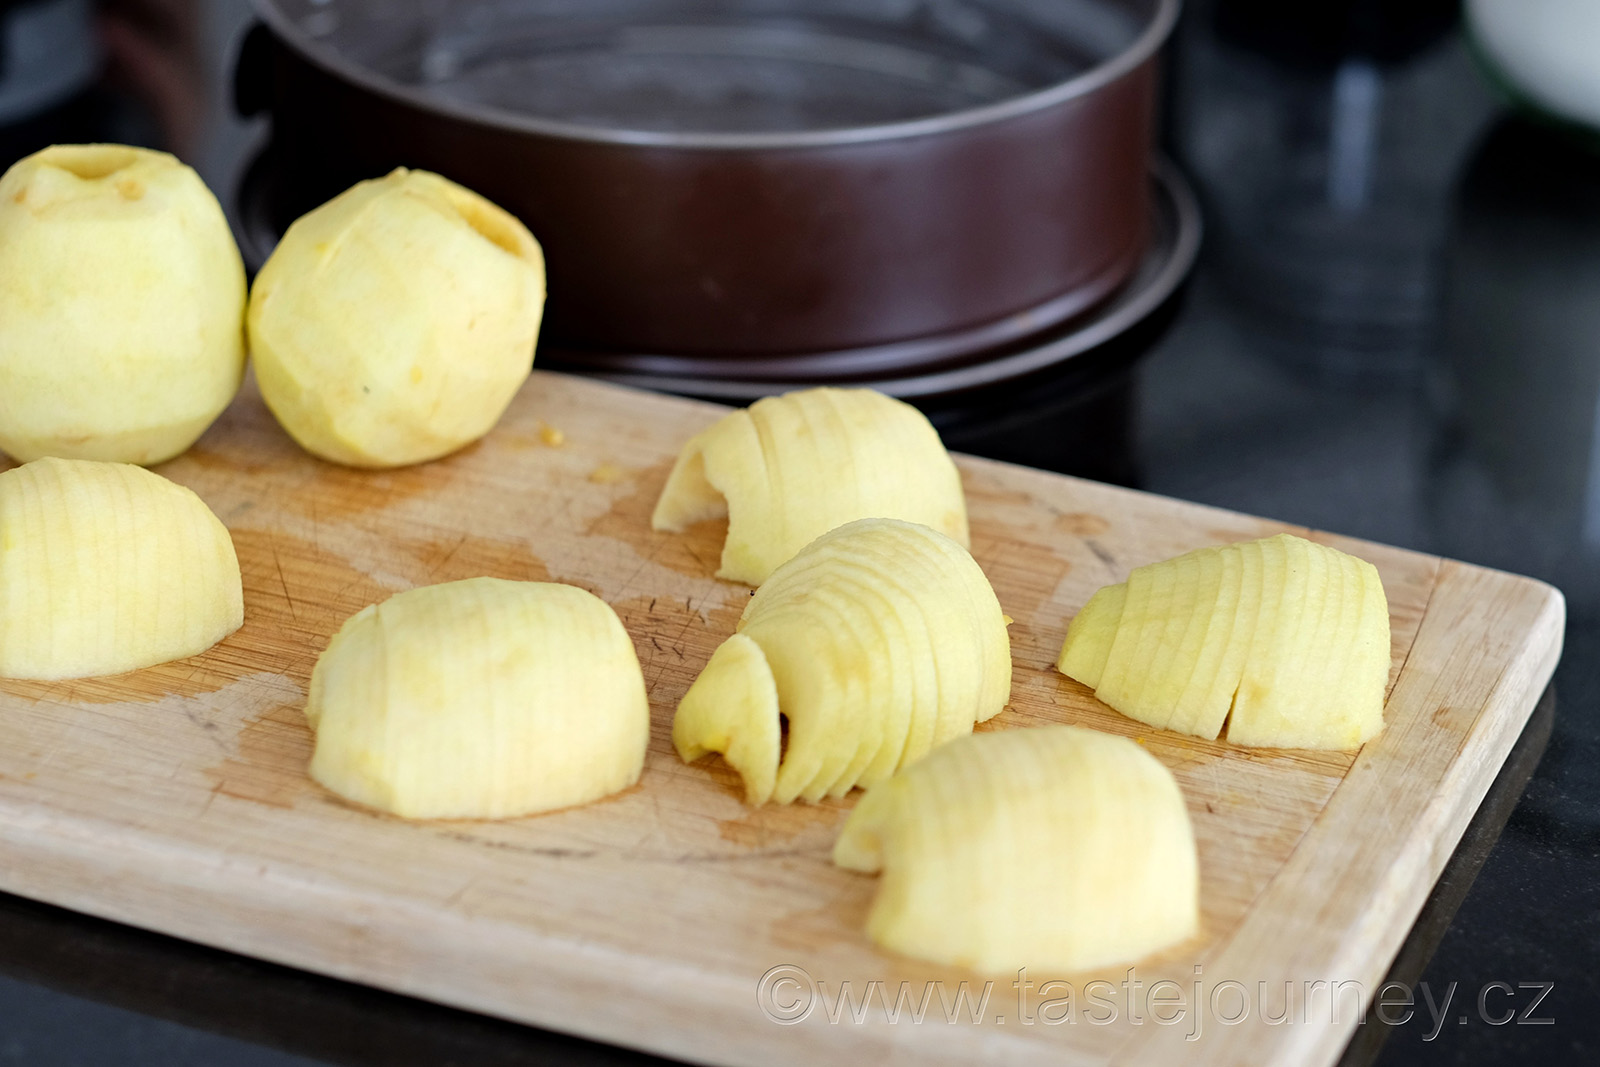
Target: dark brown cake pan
900	184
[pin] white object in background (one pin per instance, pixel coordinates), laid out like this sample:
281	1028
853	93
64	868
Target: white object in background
1547	49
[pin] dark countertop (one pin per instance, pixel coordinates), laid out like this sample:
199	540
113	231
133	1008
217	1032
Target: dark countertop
1420	366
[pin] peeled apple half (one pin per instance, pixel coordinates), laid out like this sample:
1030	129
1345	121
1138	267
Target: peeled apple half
790	468
1056	848
879	641
1283	640
479	699
105	568
393	324
121	306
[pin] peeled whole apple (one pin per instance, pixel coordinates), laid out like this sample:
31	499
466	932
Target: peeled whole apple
394	323
879	641
107	567
790	468
1284	641
121	306
479	699
1056	848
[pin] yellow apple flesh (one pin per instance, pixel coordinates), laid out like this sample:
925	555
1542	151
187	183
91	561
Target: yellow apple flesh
1054	848
790	468
479	699
879	641
105	568
1283	640
393	324
121	306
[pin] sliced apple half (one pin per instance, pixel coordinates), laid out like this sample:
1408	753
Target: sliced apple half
1283	640
879	641
1055	848
790	468
479	699
105	568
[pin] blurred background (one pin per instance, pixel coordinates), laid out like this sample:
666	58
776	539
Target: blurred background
1392	331
149	72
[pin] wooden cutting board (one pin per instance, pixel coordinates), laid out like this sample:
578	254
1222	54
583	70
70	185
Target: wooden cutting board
671	917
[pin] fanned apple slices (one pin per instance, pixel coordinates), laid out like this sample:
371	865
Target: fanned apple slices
790	468
1285	640
880	640
479	699
105	568
1055	848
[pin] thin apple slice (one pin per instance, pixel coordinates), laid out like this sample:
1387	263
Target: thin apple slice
1133	635
1089	637
1349	704
1055	848
1138	670
1273	678
1203	705
909	637
874	615
732	708
1199	582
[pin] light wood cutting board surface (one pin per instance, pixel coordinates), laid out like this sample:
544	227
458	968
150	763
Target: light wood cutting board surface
176	798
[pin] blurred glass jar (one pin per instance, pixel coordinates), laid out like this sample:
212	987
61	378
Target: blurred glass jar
1324	136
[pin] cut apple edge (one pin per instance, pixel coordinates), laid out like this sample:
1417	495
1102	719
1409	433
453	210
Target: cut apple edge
706	482
732	709
688	497
859	846
1088	642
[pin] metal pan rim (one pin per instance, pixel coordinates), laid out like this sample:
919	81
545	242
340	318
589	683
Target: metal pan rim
1143	48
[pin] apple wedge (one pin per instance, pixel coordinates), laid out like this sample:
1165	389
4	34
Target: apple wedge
790	468
879	641
1283	641
1054	848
